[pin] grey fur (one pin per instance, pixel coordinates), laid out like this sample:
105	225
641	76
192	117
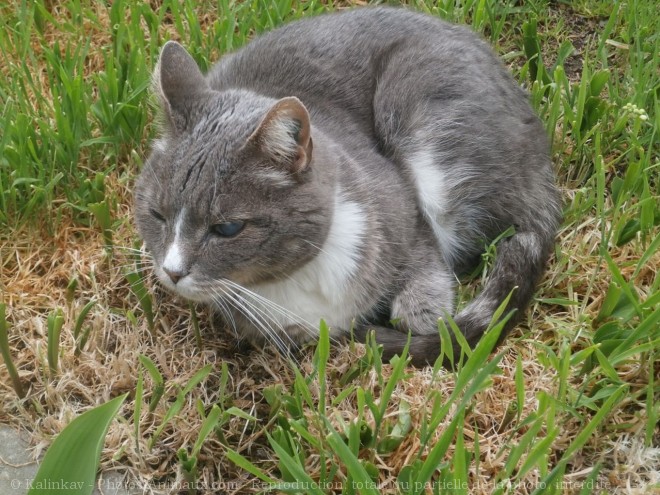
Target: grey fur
393	97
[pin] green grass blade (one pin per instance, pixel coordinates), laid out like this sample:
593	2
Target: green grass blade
151	367
398	373
195	324
461	459
304	483
245	464
436	455
648	327
589	483
520	386
173	410
581	438
539	452
144	298
6	354
197	378
55	322
80	342
157	378
207	427
322	354
137	410
353	464
652	407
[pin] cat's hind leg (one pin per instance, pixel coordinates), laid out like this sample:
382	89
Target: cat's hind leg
426	294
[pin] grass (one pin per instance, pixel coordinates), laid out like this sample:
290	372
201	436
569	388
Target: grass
568	405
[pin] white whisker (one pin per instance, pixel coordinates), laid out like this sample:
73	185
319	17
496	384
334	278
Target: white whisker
302	323
226	311
252	313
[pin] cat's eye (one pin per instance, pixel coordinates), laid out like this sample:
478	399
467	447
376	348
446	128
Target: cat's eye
228	229
156	215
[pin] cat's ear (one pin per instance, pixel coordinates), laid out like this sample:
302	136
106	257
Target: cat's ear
284	135
177	80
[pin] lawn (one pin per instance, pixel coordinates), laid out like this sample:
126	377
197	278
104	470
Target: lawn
569	404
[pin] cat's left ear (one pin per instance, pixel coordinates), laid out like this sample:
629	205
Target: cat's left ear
284	135
177	80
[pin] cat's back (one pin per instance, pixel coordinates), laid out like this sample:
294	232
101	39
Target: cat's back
337	59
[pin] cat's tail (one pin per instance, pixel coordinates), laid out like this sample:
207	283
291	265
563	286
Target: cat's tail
519	264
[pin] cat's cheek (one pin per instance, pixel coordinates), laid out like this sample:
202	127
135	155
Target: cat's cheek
248	276
295	251
152	234
292	245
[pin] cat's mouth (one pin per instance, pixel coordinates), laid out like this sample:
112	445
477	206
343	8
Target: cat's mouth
186	287
190	287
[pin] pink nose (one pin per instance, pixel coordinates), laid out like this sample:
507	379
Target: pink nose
175	275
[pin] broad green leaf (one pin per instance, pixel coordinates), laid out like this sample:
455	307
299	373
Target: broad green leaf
73	457
598	81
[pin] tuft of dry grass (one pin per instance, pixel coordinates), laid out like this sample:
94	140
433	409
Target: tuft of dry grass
37	275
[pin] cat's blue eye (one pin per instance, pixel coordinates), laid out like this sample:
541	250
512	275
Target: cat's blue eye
228	229
156	215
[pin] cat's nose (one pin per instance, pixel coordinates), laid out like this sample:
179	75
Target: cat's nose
175	275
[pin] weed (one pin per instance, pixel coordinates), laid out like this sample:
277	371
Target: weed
6	354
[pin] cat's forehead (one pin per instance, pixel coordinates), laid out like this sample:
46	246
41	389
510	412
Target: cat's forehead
204	180
206	156
202	176
225	120
208	205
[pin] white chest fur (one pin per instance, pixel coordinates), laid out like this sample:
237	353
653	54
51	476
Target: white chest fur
326	287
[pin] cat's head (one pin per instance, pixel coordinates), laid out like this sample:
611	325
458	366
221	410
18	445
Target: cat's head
230	190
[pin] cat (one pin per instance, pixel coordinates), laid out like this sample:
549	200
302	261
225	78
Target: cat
347	167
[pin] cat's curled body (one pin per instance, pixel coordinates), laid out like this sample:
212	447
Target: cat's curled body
346	167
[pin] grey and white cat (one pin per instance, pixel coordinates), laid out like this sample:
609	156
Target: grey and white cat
347	167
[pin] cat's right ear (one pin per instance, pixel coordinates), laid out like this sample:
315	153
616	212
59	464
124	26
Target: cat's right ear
284	135
177	80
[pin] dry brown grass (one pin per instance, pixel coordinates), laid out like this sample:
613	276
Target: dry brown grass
35	275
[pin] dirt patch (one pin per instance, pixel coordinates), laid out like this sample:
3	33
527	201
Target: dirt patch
581	29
